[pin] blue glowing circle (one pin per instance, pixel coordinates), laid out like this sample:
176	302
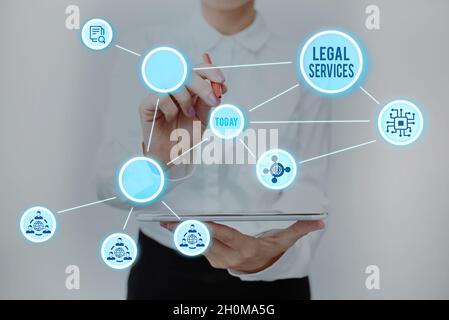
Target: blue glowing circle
164	70
191	238
331	62
38	224
400	122
97	34
141	180
119	251
276	169
227	121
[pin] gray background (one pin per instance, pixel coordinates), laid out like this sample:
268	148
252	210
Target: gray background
389	207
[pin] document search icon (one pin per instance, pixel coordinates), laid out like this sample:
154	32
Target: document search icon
96	34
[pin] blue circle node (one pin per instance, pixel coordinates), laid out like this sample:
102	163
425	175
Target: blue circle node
227	121
97	34
191	238
164	70
400	122
38	224
276	169
141	180
119	251
331	62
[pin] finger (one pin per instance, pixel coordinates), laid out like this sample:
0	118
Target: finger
183	100
164	225
148	106
215	75
228	236
169	110
202	111
299	229
224	88
170	225
203	89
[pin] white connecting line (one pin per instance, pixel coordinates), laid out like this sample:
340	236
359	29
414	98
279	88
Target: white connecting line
247	148
369	95
310	121
253	122
247	66
87	205
152	126
166	205
127	50
338	151
127	219
275	97
185	152
220	67
244	65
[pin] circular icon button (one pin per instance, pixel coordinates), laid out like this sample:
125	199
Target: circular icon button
192	238
141	180
400	122
119	251
38	224
331	62
276	169
227	121
97	34
164	70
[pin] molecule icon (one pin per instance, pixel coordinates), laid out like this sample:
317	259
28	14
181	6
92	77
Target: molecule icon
276	169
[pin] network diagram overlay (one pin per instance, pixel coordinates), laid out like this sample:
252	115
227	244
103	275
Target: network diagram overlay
330	63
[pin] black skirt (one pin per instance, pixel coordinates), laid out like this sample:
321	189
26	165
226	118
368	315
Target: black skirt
163	274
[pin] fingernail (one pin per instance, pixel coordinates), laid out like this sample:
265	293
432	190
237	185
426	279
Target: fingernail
213	99
191	112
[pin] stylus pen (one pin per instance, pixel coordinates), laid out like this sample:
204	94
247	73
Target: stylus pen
216	87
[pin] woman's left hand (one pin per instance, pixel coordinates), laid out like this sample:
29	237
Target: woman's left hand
230	249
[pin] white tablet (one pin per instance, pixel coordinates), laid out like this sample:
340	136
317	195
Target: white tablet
231	216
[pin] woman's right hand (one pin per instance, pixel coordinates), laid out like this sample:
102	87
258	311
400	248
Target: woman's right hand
178	110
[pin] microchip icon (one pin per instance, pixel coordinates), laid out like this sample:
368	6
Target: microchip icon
401	123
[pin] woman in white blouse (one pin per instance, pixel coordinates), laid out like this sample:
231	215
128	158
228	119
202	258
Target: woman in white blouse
245	260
